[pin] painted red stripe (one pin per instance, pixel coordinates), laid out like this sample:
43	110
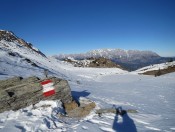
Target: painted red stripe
49	93
46	82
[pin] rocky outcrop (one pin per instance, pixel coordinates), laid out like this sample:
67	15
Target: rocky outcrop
81	111
160	72
85	107
100	62
16	93
8	36
11	37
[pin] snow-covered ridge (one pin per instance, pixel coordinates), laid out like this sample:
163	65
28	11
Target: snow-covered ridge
156	67
19	58
9	36
109	53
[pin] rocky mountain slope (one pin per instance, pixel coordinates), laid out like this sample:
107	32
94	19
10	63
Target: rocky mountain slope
20	58
130	59
100	62
9	36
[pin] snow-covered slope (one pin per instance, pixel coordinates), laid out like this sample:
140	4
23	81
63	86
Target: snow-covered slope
23	60
20	60
17	59
156	67
11	37
152	97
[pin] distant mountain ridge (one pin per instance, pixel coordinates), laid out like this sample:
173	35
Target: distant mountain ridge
130	59
110	54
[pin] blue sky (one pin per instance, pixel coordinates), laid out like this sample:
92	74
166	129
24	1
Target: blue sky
76	26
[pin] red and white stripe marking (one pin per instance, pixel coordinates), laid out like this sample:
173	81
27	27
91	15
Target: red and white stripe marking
48	88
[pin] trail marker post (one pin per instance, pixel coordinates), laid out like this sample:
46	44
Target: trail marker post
46	73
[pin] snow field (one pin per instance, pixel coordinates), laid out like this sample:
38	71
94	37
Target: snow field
152	97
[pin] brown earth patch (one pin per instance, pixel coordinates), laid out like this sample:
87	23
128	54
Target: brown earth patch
160	72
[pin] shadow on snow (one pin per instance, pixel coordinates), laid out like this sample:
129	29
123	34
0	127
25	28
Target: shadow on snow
127	125
78	94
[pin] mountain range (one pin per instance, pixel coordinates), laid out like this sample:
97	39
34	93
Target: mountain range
129	59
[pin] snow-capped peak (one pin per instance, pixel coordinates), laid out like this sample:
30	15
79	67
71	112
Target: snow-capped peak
131	59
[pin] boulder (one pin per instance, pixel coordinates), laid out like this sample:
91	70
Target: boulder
80	112
70	106
75	111
17	93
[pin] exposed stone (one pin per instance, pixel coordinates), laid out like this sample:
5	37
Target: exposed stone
74	111
100	62
70	106
80	112
16	93
10	37
103	62
160	72
10	82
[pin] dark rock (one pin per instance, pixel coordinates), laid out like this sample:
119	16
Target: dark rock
11	54
102	62
17	93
